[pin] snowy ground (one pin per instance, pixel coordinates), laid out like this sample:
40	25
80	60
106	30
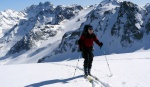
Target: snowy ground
129	70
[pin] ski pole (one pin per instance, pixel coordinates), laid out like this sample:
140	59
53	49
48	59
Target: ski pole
76	65
108	64
78	60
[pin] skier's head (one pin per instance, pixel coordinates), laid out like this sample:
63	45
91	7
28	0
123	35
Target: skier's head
90	30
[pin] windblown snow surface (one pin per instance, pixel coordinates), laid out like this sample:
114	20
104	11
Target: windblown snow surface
129	70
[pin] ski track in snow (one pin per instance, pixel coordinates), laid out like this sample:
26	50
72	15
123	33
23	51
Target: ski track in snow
129	70
60	74
94	83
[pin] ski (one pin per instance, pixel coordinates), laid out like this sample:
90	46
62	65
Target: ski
95	77
90	79
93	80
102	83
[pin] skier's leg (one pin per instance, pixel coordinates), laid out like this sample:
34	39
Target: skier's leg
85	65
90	62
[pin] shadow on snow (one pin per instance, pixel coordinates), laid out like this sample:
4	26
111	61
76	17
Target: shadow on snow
39	84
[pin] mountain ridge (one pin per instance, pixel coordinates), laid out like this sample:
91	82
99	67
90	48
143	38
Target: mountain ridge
124	23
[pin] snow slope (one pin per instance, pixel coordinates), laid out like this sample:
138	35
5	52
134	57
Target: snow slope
46	32
45	47
113	23
129	70
9	18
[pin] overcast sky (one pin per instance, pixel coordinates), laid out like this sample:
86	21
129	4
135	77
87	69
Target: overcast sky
21	4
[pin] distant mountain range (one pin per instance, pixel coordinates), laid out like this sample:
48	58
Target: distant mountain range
45	33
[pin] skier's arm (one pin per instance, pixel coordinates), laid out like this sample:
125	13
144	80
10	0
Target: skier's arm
80	42
97	41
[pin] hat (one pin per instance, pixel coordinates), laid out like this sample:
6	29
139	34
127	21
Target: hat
90	28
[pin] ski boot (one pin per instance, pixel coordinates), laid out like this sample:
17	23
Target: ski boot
85	72
89	72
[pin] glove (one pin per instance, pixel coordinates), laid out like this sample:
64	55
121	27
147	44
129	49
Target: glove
101	44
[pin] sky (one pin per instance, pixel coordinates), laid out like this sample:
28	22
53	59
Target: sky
19	5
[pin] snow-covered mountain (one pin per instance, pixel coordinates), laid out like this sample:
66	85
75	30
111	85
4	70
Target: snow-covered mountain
41	29
8	19
48	33
122	26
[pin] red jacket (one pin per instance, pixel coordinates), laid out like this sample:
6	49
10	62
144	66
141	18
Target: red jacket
86	40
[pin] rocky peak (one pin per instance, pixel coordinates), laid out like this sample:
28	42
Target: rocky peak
33	10
114	2
147	7
127	4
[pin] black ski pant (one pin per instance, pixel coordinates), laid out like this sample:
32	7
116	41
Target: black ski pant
88	58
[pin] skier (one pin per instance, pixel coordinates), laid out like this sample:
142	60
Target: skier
86	47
